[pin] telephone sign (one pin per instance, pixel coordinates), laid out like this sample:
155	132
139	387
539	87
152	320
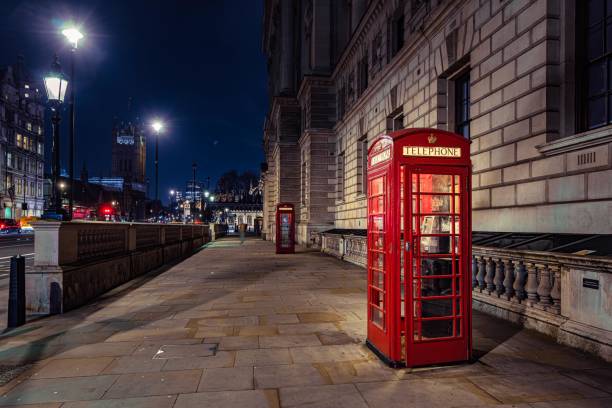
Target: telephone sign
419	248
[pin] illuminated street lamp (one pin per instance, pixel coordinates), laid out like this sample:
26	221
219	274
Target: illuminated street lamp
73	35
55	86
157	126
212	198
206	194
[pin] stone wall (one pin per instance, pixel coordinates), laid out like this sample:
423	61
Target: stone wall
523	161
75	262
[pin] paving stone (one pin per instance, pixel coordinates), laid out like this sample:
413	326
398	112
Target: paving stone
99	350
325	354
452	392
306	328
158	383
278	376
58	389
73	367
145	402
258	331
134	364
220	359
298	340
226	379
320	317
600	378
359	371
336	396
535	387
262	357
280	318
238	342
204	332
581	403
168	351
242	399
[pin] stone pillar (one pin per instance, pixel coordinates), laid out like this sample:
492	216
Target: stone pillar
287	47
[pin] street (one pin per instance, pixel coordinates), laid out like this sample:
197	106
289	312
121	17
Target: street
13	244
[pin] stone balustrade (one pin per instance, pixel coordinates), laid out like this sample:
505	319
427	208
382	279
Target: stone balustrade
565	296
75	262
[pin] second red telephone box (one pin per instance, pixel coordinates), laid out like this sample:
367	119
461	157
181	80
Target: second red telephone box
419	248
285	228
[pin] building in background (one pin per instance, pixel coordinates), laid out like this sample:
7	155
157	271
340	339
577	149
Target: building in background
129	161
526	81
22	142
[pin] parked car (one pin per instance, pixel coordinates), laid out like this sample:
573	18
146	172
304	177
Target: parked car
8	226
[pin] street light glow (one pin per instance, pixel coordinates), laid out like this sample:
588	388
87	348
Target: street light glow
157	126
206	194
73	35
171	192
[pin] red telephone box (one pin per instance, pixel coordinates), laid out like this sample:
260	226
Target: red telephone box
419	248
285	228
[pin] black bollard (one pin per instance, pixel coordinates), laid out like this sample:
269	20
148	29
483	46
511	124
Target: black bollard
16	306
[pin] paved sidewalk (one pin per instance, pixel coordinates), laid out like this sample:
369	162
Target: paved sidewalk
237	326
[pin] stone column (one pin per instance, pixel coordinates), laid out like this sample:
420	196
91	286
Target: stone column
287	48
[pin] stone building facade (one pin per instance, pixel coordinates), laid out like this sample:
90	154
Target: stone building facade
526	80
22	143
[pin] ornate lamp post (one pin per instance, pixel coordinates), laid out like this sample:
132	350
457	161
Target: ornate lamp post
55	86
73	35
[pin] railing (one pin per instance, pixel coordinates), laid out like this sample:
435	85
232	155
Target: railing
76	261
526	278
349	247
100	242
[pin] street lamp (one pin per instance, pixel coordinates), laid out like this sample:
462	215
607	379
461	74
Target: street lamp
157	126
73	35
206	194
55	86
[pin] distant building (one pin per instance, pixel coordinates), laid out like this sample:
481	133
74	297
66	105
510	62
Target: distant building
22	142
193	189
129	150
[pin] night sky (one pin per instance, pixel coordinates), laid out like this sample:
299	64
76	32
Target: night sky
196	64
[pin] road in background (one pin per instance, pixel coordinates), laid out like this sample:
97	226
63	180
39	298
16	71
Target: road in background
10	245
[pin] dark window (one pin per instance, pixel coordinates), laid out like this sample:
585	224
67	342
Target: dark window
596	53
396	32
462	105
395	121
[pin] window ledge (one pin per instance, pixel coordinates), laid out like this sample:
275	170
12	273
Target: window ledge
578	141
